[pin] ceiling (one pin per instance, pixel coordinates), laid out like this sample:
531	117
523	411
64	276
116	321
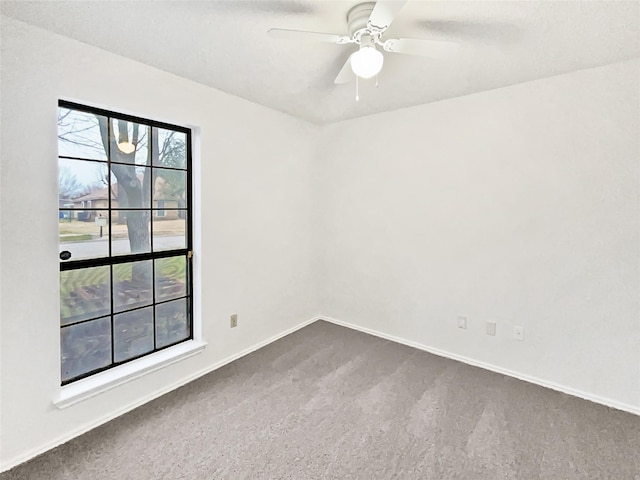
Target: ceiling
224	44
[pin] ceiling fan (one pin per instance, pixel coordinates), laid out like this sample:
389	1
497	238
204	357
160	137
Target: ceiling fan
366	25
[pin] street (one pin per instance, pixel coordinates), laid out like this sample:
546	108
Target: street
100	247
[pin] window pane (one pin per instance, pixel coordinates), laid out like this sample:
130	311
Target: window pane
132	140
84	293
85	347
171	148
171	278
132	285
79	134
131	186
172	323
170	188
130	231
84	233
132	334
169	231
80	182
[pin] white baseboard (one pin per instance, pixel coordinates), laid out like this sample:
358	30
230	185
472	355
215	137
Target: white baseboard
168	388
493	368
13	462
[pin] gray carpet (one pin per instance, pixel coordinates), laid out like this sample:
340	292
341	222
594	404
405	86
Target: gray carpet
328	402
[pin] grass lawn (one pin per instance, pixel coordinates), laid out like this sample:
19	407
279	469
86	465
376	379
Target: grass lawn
73	282
70	231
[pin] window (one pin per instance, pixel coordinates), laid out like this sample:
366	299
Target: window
125	278
160	212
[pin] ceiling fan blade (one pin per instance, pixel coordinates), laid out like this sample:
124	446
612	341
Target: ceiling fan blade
302	35
384	12
346	74
423	48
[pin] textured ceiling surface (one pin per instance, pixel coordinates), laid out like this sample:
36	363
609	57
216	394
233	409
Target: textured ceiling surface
224	44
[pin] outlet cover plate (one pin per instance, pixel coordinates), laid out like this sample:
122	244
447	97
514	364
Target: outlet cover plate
491	328
518	333
234	320
462	322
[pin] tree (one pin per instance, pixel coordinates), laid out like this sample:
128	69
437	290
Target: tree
128	181
172	152
91	136
68	185
117	194
80	129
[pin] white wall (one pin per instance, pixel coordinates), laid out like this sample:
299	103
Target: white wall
519	206
257	240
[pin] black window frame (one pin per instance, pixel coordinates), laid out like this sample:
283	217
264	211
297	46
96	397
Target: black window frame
111	260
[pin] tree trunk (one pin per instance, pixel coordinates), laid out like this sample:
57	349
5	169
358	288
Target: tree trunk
121	197
134	192
130	190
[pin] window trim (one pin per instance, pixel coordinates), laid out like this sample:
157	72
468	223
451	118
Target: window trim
118	372
97	383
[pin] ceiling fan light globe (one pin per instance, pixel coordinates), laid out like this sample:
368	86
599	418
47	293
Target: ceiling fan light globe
367	62
126	147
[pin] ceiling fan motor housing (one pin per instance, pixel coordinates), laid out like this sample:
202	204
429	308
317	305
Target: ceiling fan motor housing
357	18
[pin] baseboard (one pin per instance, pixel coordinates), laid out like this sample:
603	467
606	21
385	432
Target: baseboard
469	361
493	368
152	396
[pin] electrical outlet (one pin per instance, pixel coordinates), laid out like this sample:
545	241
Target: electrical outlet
234	320
491	328
462	322
518	333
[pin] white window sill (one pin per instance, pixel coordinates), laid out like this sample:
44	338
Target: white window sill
101	382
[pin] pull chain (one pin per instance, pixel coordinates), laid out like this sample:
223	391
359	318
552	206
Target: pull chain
357	91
